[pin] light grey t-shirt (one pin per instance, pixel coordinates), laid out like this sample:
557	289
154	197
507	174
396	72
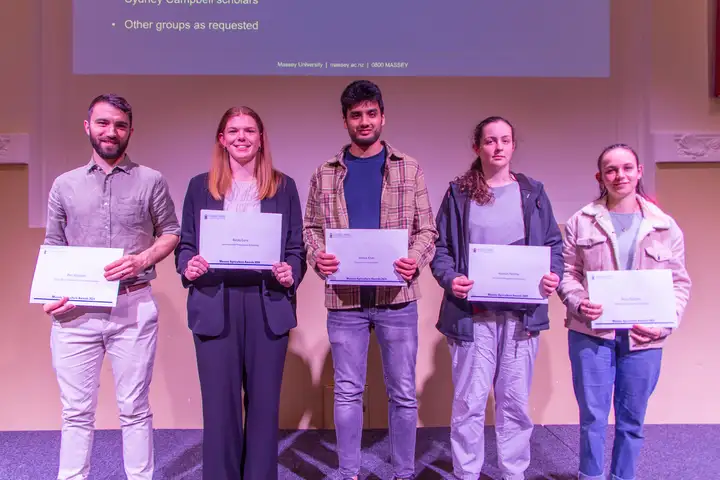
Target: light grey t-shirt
500	222
626	229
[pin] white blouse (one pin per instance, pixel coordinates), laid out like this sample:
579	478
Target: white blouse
243	197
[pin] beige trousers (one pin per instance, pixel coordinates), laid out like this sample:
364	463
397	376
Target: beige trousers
500	358
79	341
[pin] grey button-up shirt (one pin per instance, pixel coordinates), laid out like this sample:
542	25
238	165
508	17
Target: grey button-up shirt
126	208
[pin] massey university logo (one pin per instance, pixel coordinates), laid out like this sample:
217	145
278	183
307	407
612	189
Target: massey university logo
474	250
330	235
205	217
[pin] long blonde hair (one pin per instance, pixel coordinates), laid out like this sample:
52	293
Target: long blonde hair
220	176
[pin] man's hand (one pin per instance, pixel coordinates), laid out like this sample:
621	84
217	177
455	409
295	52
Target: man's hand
59	307
283	273
406	267
326	263
461	286
126	267
196	267
548	284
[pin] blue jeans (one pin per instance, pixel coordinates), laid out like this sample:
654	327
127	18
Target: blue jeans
396	327
598	365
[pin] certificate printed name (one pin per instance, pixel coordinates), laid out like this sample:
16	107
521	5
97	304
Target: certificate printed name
507	273
367	256
633	297
240	240
75	272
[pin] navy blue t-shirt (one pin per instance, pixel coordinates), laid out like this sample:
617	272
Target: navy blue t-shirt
363	188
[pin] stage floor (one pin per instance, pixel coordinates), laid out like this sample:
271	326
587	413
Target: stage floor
673	452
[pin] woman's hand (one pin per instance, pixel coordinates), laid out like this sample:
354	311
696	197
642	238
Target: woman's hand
284	274
461	286
196	267
643	335
590	311
548	284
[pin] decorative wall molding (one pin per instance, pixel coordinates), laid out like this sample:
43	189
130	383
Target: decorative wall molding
15	148
686	147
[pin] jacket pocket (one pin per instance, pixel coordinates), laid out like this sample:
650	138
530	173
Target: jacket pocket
130	212
279	312
658	252
205	309
587	242
592	249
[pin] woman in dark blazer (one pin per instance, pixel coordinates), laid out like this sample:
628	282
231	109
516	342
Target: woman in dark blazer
241	319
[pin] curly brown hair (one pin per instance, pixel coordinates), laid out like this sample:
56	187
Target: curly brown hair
473	181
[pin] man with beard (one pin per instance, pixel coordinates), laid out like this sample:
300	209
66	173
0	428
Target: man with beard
109	202
371	185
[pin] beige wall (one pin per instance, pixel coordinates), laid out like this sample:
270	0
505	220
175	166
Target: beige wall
689	383
175	120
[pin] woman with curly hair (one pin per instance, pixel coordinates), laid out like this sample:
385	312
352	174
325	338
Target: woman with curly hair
492	344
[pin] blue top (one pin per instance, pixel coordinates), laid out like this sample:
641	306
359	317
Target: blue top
363	189
626	229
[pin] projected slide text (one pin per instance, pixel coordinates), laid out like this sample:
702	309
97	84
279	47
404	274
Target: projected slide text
519	38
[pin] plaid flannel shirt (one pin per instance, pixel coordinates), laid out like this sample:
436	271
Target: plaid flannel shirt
404	204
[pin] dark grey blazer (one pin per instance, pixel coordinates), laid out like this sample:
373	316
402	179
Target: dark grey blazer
205	303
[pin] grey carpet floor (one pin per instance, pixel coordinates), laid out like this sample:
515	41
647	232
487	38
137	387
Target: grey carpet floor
673	452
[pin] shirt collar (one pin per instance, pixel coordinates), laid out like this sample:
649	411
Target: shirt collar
657	218
124	165
390	153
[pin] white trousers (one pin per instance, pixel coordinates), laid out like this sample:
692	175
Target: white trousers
79	341
501	356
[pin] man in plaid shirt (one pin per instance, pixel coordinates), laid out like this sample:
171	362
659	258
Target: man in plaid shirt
370	185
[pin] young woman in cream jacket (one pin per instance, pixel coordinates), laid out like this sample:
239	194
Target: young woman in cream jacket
621	230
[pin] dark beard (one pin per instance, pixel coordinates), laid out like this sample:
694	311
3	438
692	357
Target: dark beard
118	152
367	141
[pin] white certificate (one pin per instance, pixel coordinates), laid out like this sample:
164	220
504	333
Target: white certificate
77	273
367	256
507	273
240	240
633	297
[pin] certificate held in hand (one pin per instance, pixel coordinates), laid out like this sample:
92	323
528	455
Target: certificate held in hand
77	273
239	240
367	256
507	273
633	297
